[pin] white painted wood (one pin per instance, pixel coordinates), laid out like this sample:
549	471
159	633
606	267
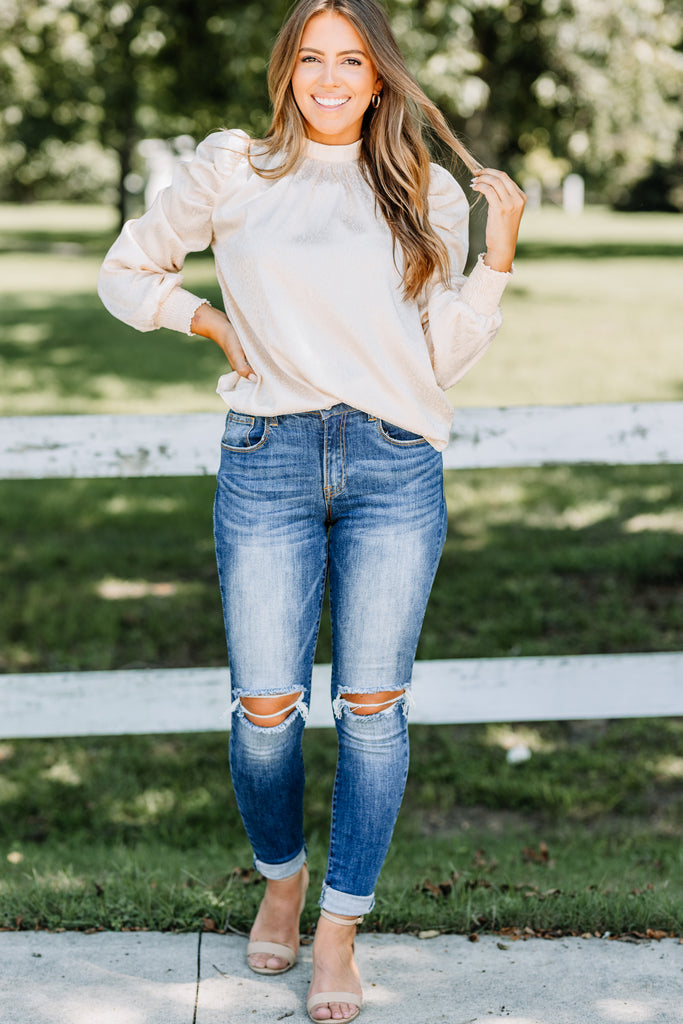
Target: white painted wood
460	691
36	447
542	435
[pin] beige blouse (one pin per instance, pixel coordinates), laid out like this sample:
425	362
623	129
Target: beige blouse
309	282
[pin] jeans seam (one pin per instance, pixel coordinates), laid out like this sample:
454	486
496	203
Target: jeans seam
331	492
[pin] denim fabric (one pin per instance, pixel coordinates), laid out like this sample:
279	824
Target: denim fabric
301	498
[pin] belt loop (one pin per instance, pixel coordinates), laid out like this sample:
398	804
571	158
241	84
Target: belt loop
272	421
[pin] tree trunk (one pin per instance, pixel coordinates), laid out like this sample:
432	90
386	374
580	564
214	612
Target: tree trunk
125	155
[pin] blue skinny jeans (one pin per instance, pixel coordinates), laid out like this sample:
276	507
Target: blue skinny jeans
335	494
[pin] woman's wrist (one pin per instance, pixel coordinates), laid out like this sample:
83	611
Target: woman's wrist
501	262
208	322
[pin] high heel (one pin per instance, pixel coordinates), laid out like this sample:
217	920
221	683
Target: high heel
321	998
278	949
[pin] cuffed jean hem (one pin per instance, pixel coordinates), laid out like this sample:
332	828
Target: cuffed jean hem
344	903
278	871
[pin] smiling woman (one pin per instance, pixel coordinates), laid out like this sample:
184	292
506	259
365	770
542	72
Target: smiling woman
339	250
334	80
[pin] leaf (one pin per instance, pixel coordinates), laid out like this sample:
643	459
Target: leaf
429	887
539	856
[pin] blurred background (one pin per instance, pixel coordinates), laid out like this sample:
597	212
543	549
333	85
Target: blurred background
541	87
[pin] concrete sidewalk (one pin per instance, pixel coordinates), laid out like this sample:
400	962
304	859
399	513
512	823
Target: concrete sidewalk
151	978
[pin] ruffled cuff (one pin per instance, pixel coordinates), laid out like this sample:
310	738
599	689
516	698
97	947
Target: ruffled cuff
177	311
483	289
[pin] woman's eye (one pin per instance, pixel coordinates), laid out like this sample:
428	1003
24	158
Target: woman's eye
307	60
352	60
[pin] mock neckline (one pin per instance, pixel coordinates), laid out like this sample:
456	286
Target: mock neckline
333	154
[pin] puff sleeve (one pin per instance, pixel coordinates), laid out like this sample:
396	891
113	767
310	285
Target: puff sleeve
460	321
140	281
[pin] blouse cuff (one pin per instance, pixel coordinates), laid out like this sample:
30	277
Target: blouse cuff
483	289
177	311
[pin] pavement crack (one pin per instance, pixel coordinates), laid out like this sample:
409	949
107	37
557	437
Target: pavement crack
199	977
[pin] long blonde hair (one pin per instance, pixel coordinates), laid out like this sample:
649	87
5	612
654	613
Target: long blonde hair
393	155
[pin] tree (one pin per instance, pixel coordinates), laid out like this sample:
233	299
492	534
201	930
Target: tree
75	72
596	85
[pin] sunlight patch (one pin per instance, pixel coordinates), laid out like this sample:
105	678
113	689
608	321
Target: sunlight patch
513	738
670	766
9	790
62	771
146	809
60	881
122	504
120	590
669	522
588	514
27	333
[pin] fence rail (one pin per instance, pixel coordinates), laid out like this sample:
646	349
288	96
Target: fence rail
472	690
37	447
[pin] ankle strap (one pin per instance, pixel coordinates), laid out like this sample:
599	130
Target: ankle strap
336	919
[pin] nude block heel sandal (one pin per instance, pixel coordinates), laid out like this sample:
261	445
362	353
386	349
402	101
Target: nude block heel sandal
273	949
320	998
279	949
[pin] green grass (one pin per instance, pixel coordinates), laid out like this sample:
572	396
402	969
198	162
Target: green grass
110	574
143	831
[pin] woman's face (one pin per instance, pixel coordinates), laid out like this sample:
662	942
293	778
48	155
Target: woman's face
333	80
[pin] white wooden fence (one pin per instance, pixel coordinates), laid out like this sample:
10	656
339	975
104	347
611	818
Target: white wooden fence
467	690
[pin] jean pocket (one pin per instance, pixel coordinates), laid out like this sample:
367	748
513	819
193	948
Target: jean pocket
244	433
398	435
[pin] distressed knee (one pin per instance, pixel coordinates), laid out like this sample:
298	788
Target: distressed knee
371	703
270	711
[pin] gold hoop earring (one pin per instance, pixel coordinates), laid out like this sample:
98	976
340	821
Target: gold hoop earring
376	99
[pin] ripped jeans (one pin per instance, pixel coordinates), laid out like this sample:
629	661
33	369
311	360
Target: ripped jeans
335	494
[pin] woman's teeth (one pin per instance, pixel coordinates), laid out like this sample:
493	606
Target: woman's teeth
328	101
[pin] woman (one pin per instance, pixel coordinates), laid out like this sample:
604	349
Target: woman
339	250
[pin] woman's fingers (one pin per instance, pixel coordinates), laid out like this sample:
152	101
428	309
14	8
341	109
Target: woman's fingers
506	203
213	323
501	183
234	352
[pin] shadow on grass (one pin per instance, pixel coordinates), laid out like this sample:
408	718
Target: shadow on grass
72	243
119	573
541	250
66	348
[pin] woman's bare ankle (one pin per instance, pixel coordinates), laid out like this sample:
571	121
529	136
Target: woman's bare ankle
277	919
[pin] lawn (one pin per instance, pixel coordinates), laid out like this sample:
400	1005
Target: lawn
143	831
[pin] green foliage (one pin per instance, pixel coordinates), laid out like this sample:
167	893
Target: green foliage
535	85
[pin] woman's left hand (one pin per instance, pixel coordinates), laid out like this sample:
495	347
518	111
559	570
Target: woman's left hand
506	205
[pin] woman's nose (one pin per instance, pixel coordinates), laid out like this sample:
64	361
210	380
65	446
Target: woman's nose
328	75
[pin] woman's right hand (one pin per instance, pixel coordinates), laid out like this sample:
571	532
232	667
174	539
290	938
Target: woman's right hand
213	323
